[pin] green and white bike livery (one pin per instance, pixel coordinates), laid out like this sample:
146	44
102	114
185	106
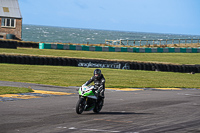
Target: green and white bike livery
88	101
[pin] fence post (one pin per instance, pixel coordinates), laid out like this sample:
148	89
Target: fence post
140	42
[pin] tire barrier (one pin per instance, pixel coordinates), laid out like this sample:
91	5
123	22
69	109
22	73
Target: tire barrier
28	44
91	63
37	60
8	44
15	44
119	49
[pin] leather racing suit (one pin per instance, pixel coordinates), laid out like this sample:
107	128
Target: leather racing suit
99	85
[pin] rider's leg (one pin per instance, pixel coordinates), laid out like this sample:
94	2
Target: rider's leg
102	93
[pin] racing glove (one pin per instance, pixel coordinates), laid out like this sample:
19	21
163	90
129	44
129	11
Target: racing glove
99	89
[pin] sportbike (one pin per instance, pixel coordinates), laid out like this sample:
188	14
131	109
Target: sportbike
88	100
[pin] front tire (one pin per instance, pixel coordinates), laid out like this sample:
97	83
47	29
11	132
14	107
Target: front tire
80	106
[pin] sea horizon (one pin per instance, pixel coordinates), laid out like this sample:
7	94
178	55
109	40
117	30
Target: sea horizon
44	33
110	30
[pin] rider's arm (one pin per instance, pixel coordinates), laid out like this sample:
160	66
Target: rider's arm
89	81
103	81
101	87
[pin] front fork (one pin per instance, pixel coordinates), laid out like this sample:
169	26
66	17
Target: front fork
86	99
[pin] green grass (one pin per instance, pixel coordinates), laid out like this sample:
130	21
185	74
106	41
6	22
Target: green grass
76	76
172	58
13	90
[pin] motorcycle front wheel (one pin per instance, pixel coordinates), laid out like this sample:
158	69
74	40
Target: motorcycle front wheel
80	106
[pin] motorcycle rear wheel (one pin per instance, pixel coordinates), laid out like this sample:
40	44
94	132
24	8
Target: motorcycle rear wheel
80	106
99	106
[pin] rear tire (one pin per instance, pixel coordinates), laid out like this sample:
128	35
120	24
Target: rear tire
80	105
98	106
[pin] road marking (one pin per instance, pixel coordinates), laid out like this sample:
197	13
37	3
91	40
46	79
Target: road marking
94	130
52	92
192	95
141	89
61	127
33	95
125	89
18	96
113	121
99	130
168	88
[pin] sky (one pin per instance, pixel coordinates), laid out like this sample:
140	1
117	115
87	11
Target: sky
154	16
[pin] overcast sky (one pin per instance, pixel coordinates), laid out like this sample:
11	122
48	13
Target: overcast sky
156	16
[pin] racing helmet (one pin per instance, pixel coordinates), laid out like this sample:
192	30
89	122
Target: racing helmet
97	73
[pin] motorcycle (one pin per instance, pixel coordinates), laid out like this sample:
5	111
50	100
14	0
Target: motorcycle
88	100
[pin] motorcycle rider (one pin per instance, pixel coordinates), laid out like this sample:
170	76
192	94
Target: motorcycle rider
99	82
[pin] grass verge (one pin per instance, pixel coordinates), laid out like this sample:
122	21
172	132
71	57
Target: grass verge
76	76
169	58
13	90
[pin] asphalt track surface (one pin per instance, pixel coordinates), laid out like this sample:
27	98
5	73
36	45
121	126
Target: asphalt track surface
141	111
